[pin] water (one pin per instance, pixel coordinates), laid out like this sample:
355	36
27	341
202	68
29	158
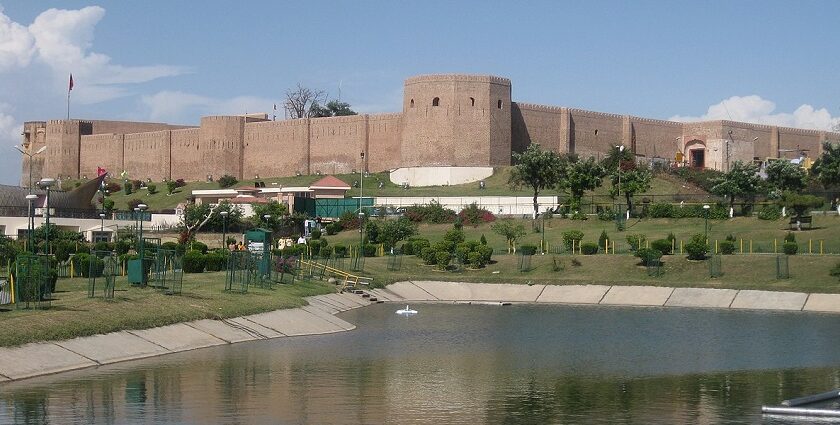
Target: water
458	364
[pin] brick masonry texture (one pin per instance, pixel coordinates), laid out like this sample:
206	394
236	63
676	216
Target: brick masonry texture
446	120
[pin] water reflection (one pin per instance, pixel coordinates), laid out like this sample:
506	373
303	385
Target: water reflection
455	364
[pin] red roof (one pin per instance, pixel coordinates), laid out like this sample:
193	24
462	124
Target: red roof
330	182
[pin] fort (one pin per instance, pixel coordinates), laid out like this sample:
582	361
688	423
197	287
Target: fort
446	120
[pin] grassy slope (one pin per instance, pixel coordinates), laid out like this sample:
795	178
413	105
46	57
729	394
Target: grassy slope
72	314
496	185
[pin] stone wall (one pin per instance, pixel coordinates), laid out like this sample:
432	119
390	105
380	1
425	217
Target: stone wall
276	148
538	124
594	133
336	144
147	155
124	127
221	145
185	161
655	138
101	150
383	144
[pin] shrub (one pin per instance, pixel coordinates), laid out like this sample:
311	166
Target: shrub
295	250
180	183
103	246
113	187
444	246
570	236
697	247
214	262
122	247
199	246
589	248
769	212
483	240
486	253
227	181
316	234
790	237
63	250
528	249
174	246
606	214
557	265
661	210
474	215
603	239
432	212
136	185
171	186
474	259
127	189
339	250
790	248
194	262
82	248
333	228
662	245
369	250
454	236
152	189
462	252
636	241
442	259
649	256
133	203
326	251
726	247
428	255
835	271
348	220
577	215
83	263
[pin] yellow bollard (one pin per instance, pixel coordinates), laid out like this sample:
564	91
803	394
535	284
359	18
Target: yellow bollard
72	271
647	244
12	288
573	246
741	244
613	247
775	246
673	243
821	247
810	249
681	247
716	246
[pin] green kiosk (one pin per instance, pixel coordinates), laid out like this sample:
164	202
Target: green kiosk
258	242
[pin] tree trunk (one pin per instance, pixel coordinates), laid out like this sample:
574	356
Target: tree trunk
629	202
536	205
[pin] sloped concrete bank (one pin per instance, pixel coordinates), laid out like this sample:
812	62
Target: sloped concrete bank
44	358
318	317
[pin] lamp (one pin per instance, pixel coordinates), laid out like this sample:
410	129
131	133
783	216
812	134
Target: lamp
30	155
30	221
224	215
46	183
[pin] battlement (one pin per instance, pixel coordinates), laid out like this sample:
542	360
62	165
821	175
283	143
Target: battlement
458	77
382	117
337	120
574	111
539	108
634	119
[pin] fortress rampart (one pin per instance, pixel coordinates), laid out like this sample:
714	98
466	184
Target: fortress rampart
446	120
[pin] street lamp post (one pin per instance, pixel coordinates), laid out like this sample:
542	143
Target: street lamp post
101	223
141	208
706	224
30	155
620	152
543	234
30	222
46	184
361	211
224	215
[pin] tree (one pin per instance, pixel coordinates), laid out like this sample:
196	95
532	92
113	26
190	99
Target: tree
299	101
741	181
278	215
510	230
633	179
217	223
826	168
195	217
393	231
580	176
801	204
785	176
334	108
536	169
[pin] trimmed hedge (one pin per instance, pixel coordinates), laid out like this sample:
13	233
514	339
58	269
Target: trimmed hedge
589	248
649	256
662	245
528	249
194	262
215	262
726	247
790	248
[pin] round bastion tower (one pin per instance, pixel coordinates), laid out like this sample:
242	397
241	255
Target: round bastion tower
456	120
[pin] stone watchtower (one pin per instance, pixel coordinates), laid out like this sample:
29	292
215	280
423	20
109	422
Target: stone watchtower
456	120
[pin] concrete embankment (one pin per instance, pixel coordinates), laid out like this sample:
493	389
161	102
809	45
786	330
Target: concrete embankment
651	296
45	358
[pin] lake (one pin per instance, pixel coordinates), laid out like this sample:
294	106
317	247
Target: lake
466	364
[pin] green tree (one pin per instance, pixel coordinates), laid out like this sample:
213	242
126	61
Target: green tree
393	231
217	223
581	176
826	168
510	230
536	169
171	186
277	212
333	108
801	204
628	180
195	217
741	181
784	176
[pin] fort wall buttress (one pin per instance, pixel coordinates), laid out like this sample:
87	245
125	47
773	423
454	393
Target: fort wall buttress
185	156
146	155
656	138
384	135
456	120
335	144
62	155
101	150
276	148
34	138
221	141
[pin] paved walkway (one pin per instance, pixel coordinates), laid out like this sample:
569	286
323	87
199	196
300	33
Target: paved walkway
319	318
431	291
45	358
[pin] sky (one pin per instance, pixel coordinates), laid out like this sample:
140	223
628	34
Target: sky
772	62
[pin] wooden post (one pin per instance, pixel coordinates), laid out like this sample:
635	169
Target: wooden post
810	250
821	247
606	246
741	243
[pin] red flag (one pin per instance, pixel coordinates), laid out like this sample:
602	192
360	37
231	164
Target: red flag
100	171
71	83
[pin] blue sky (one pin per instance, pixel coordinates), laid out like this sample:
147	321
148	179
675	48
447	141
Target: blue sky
763	61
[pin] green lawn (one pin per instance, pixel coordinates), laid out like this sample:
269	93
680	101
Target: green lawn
807	273
72	314
496	185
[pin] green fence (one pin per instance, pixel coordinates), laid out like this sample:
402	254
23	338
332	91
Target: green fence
332	208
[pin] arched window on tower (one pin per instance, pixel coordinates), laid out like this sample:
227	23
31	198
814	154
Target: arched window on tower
412	103
472	101
436	101
499	104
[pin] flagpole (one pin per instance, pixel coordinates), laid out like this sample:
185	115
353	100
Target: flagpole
68	105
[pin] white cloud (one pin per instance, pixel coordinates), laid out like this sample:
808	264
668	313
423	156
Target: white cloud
62	40
16	44
10	131
754	109
177	106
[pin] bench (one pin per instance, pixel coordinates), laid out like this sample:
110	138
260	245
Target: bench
796	223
